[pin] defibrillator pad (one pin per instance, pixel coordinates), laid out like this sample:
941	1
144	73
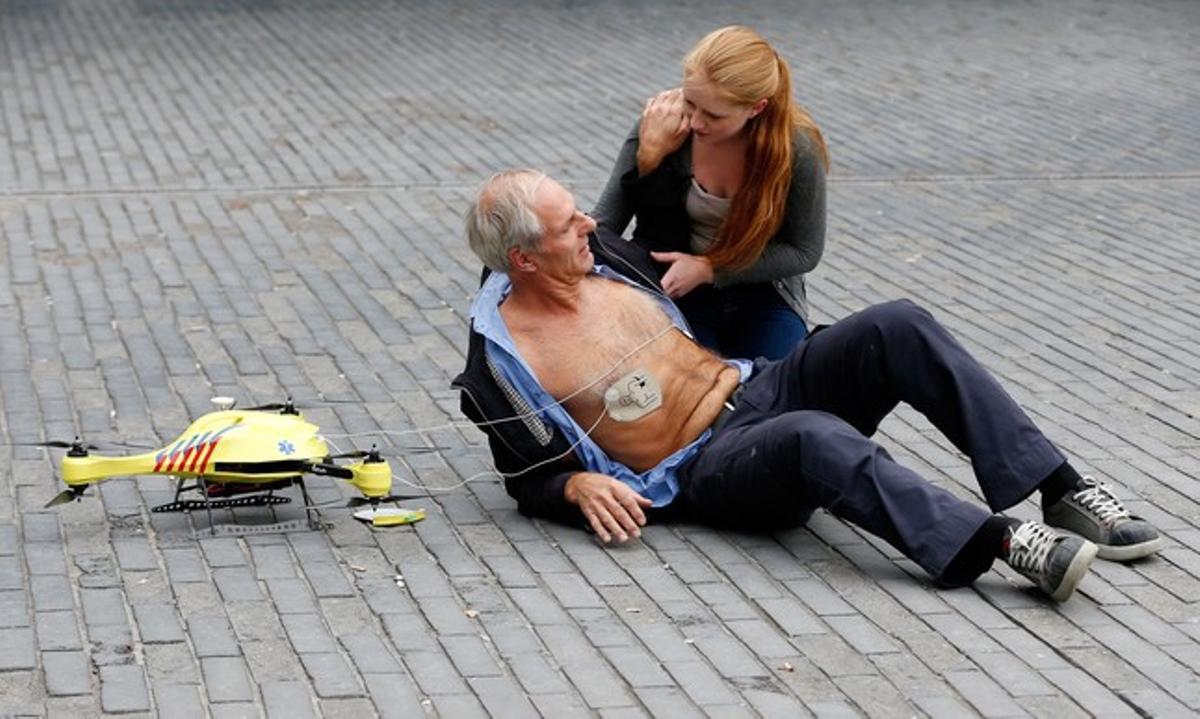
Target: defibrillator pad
632	397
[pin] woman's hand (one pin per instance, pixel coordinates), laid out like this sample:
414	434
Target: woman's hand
665	125
686	273
612	507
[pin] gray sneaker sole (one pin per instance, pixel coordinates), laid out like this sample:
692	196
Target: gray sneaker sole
1130	552
1075	571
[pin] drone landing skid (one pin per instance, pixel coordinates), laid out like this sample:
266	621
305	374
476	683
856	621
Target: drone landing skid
187	505
263	496
241	530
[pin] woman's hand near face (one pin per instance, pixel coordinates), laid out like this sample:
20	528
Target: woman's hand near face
665	125
686	273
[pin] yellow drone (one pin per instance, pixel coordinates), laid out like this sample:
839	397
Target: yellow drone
240	457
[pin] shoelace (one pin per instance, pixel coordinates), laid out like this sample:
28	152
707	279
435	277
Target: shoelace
1029	545
1098	498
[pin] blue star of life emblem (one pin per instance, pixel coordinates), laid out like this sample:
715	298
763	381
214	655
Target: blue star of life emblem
286	447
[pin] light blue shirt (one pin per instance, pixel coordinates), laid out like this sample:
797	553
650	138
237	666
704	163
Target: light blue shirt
659	483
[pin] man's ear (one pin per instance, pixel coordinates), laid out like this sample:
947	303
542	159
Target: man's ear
520	261
759	106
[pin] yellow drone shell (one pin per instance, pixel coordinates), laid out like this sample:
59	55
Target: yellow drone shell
242	445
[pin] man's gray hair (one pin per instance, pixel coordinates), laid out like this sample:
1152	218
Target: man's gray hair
502	217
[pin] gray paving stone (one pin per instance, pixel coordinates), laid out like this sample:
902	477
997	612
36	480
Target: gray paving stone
291	596
67	673
40	527
134	553
45	558
984	695
8	539
11	576
179	701
369	654
18	649
327	579
158	623
237	584
235	710
331	675
184	564
212	636
57	631
226	680
51	592
308	633
14	608
123	689
471	656
103	606
393	694
287	699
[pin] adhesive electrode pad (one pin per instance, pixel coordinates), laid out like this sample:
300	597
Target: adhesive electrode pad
632	397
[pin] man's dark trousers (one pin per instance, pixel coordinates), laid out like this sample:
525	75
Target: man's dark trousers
799	438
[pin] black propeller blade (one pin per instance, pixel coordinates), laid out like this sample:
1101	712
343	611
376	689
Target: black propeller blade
360	453
67	495
80	446
286	407
376	501
58	444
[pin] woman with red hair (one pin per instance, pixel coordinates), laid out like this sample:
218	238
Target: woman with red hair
726	177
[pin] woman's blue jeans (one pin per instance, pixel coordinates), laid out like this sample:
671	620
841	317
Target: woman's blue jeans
747	321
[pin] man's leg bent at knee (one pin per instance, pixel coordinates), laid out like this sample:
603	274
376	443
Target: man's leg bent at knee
861	367
772	473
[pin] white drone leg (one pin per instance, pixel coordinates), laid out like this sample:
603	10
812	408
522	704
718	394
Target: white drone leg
212	527
309	509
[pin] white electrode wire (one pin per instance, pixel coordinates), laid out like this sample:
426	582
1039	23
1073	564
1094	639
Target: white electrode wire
515	417
485	473
649	287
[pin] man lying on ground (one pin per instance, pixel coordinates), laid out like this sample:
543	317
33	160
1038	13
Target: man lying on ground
600	409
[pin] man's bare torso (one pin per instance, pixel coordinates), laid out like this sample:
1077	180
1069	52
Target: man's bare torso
616	331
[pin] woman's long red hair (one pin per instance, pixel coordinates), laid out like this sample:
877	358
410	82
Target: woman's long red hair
747	69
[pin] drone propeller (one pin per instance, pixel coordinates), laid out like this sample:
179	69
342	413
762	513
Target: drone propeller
67	495
361	453
356	454
376	501
287	407
57	444
79	445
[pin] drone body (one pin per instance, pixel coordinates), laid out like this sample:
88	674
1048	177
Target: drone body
234	452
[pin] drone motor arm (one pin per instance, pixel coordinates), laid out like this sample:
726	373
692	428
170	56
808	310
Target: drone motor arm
332	470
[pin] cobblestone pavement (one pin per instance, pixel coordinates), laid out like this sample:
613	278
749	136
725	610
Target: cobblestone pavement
258	198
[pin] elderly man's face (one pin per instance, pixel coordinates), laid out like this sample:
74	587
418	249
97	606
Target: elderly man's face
563	250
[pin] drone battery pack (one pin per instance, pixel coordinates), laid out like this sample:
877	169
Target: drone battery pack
389	516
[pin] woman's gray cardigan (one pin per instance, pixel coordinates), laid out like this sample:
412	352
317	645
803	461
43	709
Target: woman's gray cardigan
658	201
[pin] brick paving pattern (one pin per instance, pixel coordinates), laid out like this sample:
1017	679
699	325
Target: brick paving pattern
255	198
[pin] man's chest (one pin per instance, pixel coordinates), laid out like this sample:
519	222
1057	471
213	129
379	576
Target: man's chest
581	356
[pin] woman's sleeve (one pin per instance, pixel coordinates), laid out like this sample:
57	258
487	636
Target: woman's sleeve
798	245
615	208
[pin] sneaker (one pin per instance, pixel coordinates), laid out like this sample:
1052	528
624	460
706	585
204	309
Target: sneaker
1053	561
1096	514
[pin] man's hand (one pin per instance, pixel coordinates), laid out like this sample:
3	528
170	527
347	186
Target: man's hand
686	273
665	125
611	507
